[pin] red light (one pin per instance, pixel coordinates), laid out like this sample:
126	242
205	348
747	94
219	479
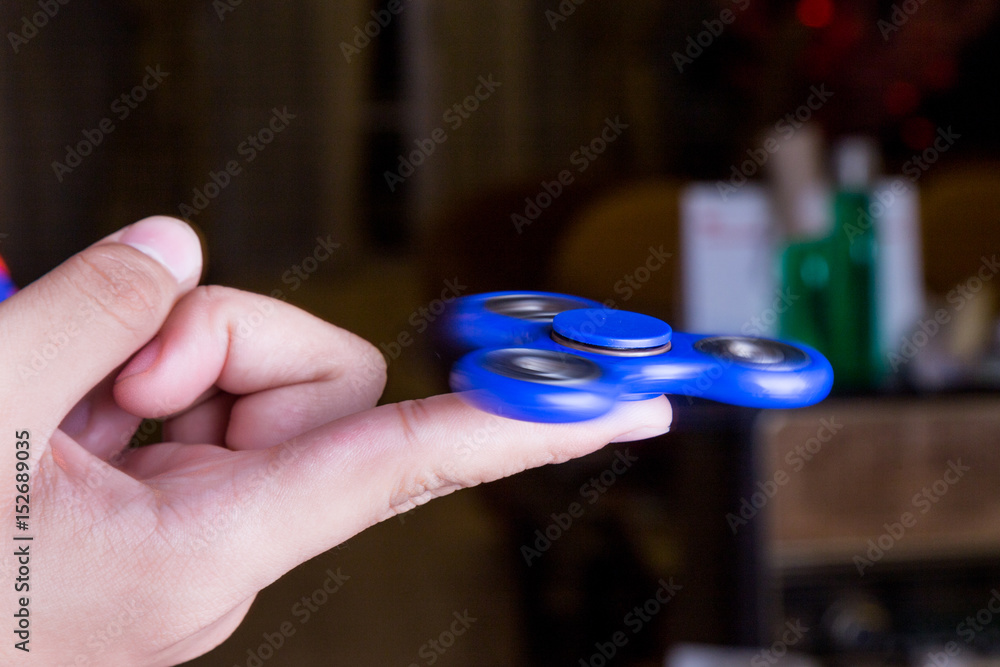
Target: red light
901	98
815	13
941	74
918	133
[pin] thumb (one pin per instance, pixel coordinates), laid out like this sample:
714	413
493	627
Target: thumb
68	330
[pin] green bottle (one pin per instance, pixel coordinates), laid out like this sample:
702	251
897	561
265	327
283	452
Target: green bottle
834	278
853	345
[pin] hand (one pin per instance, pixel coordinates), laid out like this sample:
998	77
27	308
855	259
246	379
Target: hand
273	453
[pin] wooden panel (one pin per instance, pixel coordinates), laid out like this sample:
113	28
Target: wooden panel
881	480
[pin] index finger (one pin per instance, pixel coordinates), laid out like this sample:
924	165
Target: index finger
337	480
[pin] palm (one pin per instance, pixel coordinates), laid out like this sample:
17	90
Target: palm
160	519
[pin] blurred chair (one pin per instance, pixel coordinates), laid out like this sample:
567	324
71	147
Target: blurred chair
478	242
609	248
961	223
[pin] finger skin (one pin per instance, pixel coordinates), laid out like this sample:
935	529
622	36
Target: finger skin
99	425
319	489
290	370
67	331
206	423
339	479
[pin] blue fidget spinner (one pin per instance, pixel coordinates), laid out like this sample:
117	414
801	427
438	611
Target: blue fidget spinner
544	357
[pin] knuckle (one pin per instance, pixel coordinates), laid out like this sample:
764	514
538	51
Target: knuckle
213	294
421	484
206	301
239	315
419	487
414	419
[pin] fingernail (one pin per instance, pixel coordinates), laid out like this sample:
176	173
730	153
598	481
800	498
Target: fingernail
76	421
170	242
142	361
643	433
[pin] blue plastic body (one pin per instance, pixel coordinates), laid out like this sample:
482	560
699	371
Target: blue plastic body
518	369
470	325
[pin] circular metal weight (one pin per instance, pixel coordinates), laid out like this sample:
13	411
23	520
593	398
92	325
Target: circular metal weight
757	352
611	332
532	307
542	366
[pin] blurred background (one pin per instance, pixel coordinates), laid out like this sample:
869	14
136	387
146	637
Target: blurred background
825	170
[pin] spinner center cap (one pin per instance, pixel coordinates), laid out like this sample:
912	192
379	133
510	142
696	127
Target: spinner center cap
611	331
